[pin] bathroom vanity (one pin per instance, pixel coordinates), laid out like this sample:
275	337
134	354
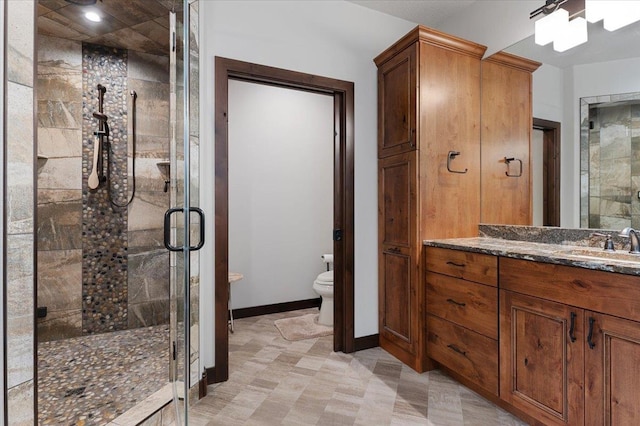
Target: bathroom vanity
549	331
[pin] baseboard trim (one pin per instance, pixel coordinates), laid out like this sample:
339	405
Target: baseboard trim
276	308
211	375
367	342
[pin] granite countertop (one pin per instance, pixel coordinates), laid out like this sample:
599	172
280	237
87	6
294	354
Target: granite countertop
561	254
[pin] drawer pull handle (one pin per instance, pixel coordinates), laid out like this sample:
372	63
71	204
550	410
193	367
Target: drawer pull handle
457	349
456	303
459	265
590	335
572	326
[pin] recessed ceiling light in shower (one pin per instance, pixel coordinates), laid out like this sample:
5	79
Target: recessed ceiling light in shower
93	17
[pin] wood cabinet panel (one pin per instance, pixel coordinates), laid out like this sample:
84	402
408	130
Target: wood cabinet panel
470	354
470	305
397	200
506	133
397	86
612	371
449	121
396	297
476	267
606	292
542	358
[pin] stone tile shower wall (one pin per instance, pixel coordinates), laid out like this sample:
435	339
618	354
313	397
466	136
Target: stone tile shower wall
101	268
18	243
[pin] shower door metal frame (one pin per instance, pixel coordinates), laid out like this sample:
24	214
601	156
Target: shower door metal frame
171	225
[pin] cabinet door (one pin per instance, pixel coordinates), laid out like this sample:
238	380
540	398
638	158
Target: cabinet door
449	143
399	293
397	85
612	371
506	134
541	358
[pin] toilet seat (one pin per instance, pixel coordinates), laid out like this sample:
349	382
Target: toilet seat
325	278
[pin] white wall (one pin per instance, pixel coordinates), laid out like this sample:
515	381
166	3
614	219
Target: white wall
496	24
280	191
329	38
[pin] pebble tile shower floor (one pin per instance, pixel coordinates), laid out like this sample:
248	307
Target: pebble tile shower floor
91	380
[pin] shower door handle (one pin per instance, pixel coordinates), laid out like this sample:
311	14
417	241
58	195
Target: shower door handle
167	229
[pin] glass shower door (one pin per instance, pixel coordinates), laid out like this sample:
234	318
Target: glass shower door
184	221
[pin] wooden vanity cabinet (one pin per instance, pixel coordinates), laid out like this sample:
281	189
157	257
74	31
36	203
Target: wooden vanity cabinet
541	358
612	371
462	314
507	125
570	343
429	106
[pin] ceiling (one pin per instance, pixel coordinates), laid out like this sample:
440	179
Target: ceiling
140	25
430	13
143	25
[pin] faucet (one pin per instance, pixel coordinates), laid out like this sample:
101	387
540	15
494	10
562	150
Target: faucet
633	238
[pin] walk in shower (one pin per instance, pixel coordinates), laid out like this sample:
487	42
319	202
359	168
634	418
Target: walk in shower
112	153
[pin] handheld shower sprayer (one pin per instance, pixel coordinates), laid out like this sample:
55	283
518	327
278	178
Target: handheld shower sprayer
97	176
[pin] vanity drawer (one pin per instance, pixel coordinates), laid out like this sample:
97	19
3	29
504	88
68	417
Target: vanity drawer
471	305
469	354
481	268
606	292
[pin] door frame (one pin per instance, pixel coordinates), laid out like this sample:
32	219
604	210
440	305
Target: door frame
551	170
343	95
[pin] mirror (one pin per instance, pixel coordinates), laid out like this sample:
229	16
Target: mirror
583	79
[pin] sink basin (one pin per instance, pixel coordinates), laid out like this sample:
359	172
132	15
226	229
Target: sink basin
601	255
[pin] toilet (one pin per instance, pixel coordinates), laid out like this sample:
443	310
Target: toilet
323	285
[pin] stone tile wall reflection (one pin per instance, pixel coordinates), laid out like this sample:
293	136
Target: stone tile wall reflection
105	262
614	175
610	161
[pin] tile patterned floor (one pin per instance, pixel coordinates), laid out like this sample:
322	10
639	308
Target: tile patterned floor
91	380
276	382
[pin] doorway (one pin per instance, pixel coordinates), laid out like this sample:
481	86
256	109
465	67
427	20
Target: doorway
549	133
343	215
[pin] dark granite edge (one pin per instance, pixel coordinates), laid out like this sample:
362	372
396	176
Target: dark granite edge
533	251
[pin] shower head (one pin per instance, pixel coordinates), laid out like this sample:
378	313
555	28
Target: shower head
100	116
101	88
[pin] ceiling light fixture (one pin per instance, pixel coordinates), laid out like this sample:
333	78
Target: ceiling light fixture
566	32
614	14
573	34
93	17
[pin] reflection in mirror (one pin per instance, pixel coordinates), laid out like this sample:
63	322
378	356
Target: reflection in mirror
597	72
609	166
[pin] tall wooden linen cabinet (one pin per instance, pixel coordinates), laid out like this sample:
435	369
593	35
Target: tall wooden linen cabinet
428	171
433	90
